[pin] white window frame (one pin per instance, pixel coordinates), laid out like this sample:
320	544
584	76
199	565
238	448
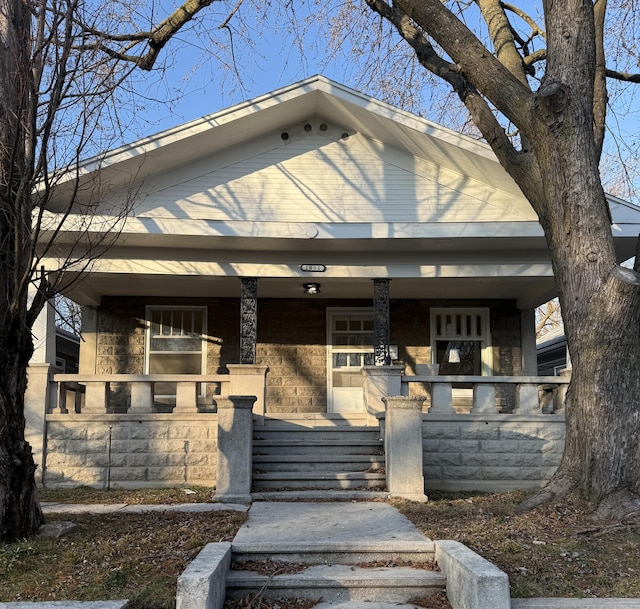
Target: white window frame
484	337
149	309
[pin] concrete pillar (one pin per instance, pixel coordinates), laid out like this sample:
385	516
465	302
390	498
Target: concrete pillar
528	343
88	341
37	396
403	447
250	379
36	403
235	449
378	383
44	337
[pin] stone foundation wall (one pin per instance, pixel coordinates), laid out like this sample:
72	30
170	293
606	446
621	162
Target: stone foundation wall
132	452
491	453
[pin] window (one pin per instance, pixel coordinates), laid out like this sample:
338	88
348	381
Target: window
352	347
175	343
461	341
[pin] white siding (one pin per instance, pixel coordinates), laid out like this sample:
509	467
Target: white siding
312	178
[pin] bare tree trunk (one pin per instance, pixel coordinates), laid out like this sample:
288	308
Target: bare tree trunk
600	312
20	514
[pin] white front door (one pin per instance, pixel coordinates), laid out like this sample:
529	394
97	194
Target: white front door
350	340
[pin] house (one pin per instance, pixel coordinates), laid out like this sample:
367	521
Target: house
552	352
319	250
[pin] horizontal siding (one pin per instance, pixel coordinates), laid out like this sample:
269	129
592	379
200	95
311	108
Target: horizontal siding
315	179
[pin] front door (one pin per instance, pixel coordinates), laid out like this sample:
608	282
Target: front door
350	341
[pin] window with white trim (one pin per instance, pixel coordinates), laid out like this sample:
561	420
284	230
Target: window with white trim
461	341
175	342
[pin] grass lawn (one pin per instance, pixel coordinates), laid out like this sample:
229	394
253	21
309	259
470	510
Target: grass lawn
551	551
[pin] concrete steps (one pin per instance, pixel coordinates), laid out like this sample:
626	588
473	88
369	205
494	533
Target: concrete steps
336	573
339	583
346	553
287	456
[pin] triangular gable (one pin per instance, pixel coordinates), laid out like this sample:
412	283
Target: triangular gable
323	173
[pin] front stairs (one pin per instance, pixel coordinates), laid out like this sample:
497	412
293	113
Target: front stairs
389	572
316	454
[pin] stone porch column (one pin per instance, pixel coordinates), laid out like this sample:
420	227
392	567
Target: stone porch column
248	320
235	449
378	383
403	447
250	379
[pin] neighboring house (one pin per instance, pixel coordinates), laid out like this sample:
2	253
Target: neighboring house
276	249
552	352
67	351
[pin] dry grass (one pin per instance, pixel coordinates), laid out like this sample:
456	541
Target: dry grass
135	556
553	550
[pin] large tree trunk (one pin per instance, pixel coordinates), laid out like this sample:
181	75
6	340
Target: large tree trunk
20	514
601	313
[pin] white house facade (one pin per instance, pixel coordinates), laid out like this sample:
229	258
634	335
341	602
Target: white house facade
318	250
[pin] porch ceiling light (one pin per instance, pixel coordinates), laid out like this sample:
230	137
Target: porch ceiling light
311	288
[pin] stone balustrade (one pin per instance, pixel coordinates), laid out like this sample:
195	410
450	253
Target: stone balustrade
95	393
533	394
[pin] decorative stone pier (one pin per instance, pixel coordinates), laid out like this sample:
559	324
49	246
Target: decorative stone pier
235	448
403	447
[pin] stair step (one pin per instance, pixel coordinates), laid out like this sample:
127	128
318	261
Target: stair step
320	495
347	553
324	448
314	480
330	463
345	431
339	583
295	420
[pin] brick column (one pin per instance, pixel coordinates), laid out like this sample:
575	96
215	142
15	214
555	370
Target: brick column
235	449
403	447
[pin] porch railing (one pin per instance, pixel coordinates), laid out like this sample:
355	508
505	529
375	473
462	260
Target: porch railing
533	394
134	393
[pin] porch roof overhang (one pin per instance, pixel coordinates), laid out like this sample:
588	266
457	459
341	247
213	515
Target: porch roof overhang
454	261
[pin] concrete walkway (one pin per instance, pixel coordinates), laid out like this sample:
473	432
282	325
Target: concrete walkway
307	522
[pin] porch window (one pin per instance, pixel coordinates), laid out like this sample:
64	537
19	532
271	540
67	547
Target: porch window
175	343
461	341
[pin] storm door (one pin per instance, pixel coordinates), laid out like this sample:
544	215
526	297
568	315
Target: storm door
350	347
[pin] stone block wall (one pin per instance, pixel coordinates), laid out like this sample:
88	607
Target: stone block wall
132	452
494	453
292	339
